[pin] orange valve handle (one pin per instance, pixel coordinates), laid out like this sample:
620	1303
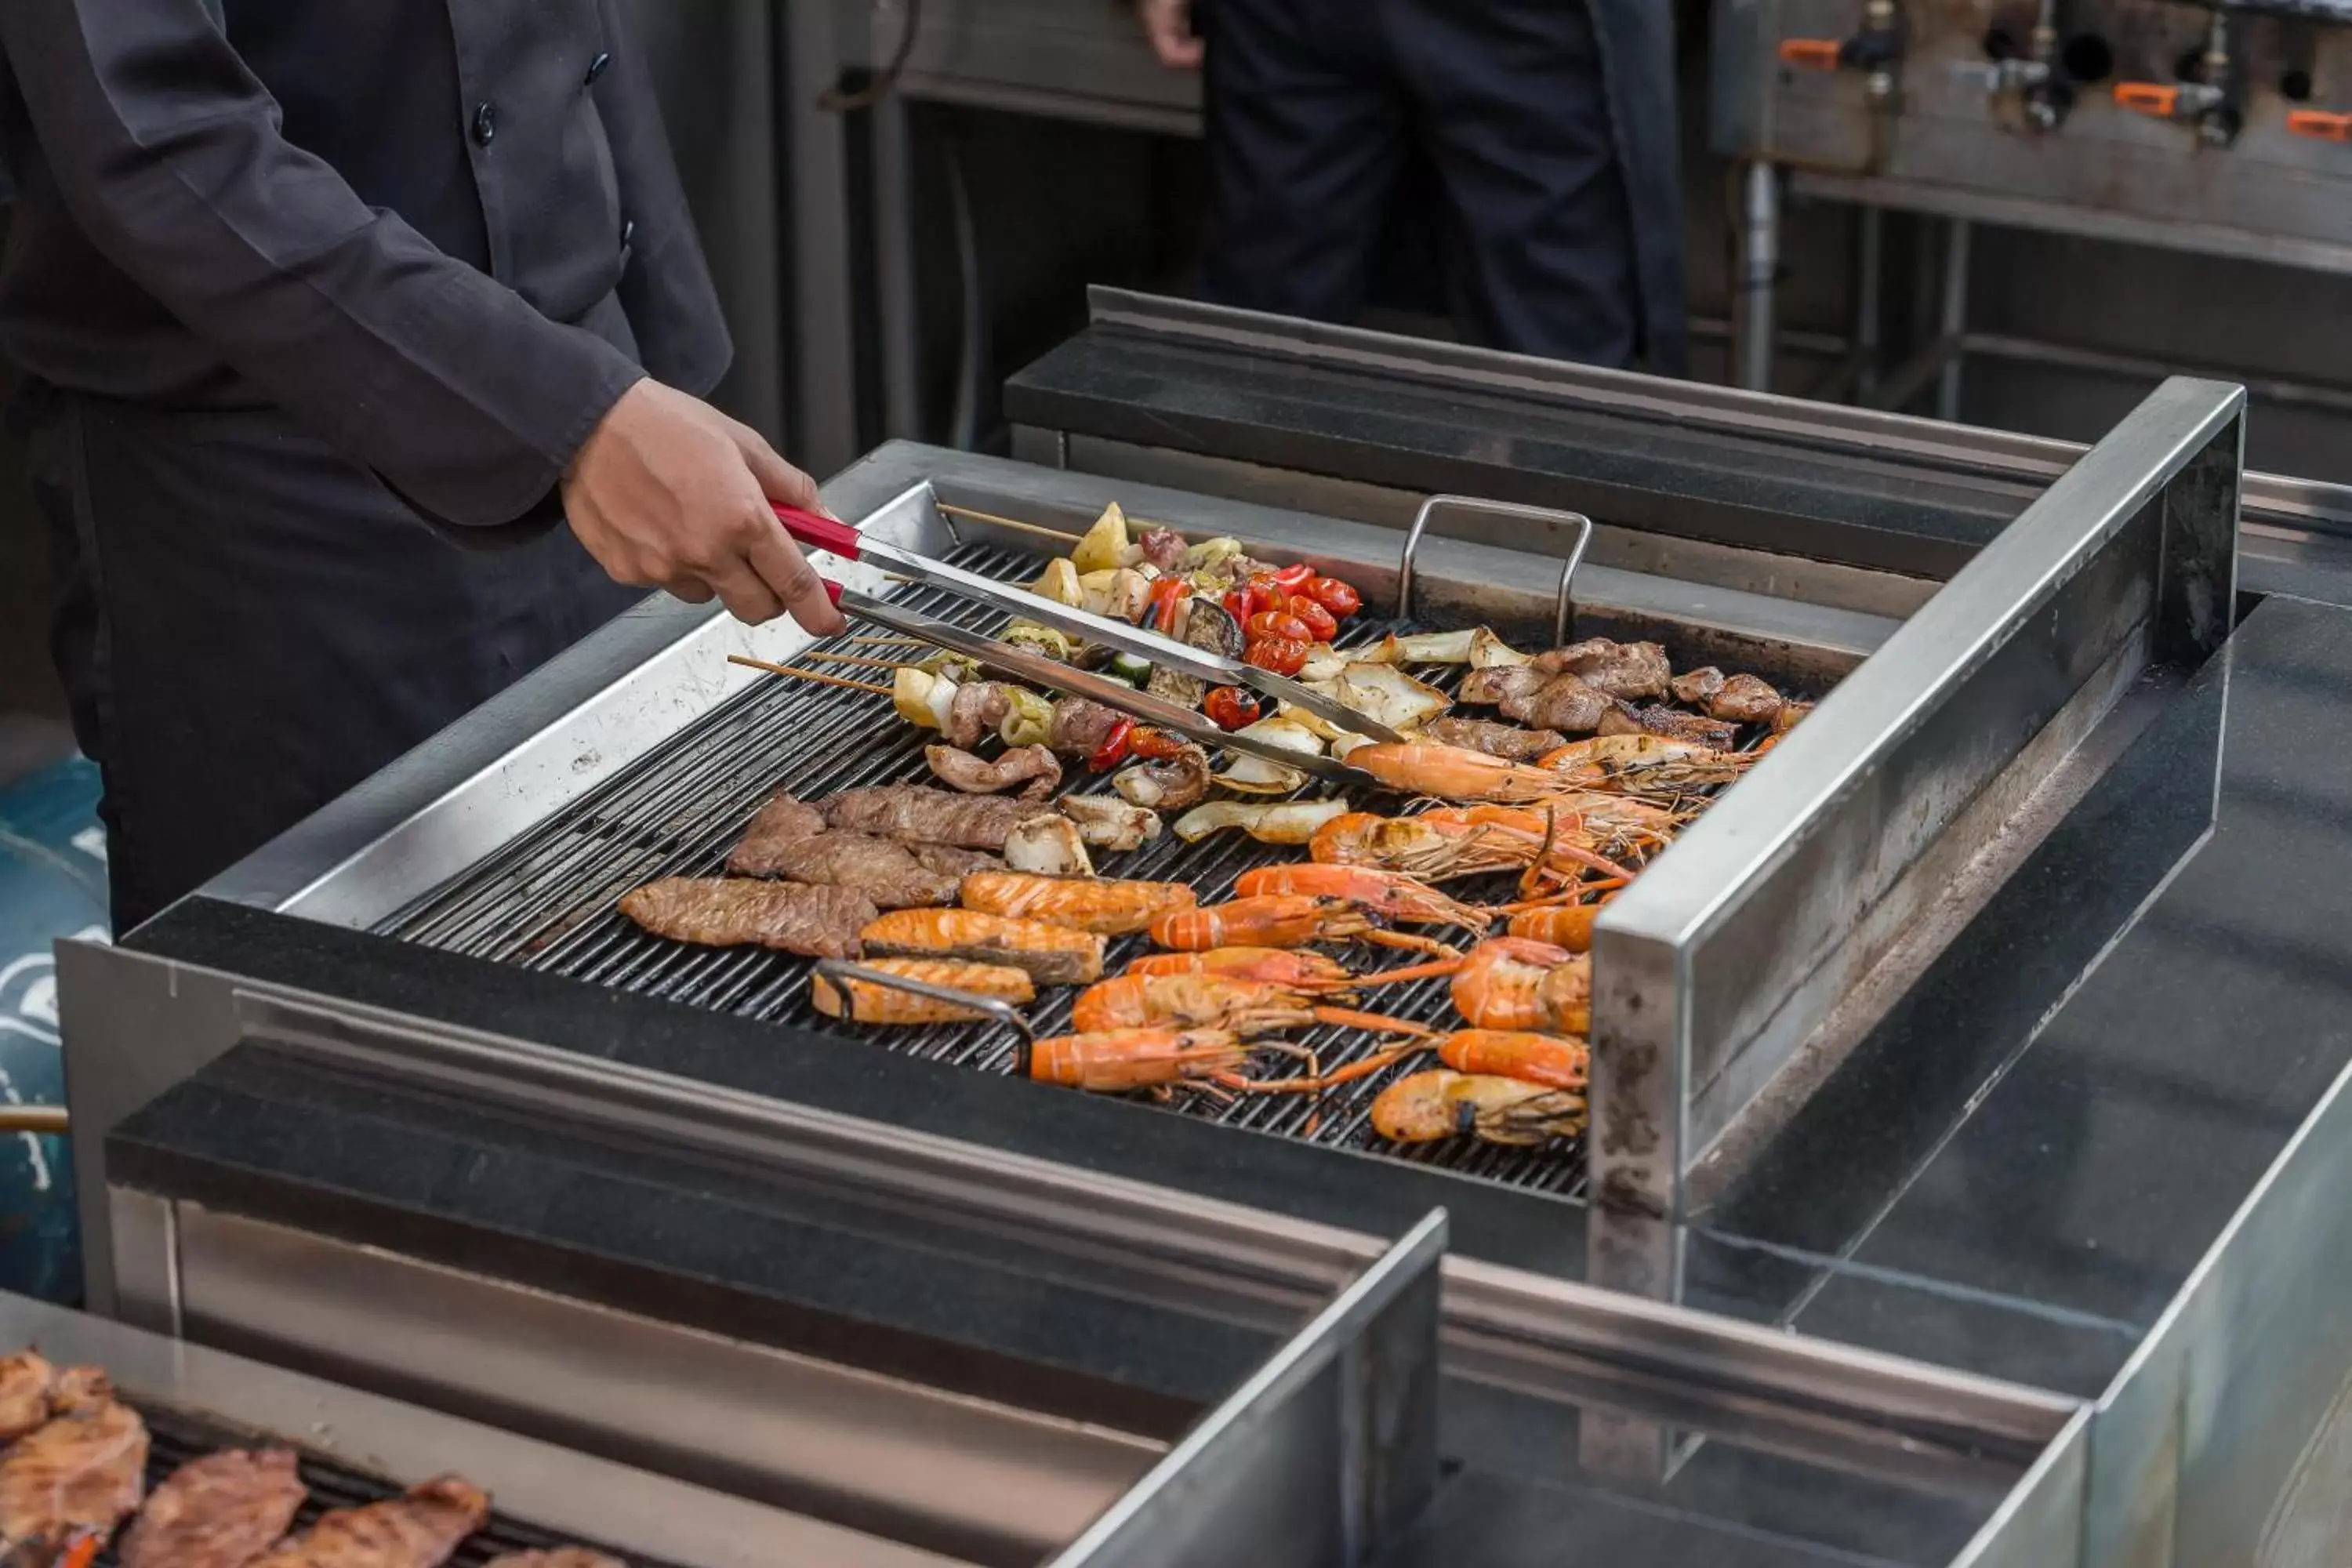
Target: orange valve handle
2148	98
1813	54
2320	124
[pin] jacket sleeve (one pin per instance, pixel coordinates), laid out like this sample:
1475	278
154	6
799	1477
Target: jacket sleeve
169	153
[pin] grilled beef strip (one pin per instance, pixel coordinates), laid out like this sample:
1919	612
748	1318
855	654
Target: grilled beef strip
1623	718
25	1383
1508	741
1564	703
563	1557
724	912
1626	670
884	872
220	1512
76	1477
928	815
949	860
422	1528
1034	768
781	822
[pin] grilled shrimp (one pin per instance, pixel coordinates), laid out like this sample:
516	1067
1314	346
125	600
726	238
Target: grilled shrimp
872	1004
1053	955
1289	919
1106	907
1114	1062
1452	773
1510	983
1462	841
1426	1107
1248	1007
1280	966
1393	895
1555	1061
1566	926
1643	764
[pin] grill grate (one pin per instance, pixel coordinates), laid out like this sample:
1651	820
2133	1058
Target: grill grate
177	1438
547	901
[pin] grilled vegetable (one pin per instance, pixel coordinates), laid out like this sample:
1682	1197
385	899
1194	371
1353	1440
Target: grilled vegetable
1106	544
1030	721
1053	644
1387	694
1059	582
1334	596
1278	822
1284	655
921	698
1131	669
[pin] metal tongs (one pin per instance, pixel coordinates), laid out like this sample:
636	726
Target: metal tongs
840	539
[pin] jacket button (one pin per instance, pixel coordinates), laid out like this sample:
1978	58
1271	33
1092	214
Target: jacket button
486	125
596	68
628	233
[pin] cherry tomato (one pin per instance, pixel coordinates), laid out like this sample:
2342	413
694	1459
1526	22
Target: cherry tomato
1277	623
1284	655
1244	603
1334	596
1291	577
1321	624
1231	708
1113	751
1153	743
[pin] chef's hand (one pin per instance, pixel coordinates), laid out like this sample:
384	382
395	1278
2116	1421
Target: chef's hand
1170	24
670	493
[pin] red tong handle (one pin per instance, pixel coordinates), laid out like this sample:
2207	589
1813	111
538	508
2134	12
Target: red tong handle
819	533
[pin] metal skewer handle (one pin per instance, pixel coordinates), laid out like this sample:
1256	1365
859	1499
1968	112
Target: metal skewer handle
1473	506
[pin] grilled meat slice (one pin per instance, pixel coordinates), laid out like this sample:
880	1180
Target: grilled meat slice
79	1388
1564	703
1034	768
974	712
1081	727
1693	688
1735	699
220	1512
422	1528
74	1478
1163	547
563	1557
929	815
948	860
1506	740
1623	669
886	872
781	821
725	911
1623	718
25	1383
1500	683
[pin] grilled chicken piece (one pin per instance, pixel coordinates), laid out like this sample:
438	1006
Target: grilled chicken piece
74	1479
1081	727
886	872
1671	723
422	1528
220	1512
1564	703
724	912
1036	768
973	714
1508	741
927	815
1625	670
563	1557
1500	683
1736	698
25	1383
781	821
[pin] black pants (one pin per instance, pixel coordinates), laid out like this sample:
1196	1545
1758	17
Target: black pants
249	624
1312	107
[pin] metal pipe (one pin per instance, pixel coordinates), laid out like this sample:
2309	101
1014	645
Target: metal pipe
972	355
1955	321
894	267
1760	264
1869	263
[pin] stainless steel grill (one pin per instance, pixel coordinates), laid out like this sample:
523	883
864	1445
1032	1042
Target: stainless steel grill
547	902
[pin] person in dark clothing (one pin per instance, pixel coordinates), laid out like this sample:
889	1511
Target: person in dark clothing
327	320
1551	124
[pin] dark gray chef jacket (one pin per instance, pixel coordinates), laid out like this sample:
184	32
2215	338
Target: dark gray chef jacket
285	282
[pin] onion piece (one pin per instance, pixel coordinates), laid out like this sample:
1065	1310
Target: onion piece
1324	662
1269	822
1478	647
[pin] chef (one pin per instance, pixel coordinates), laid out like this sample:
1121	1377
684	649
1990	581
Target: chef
359	351
1550	126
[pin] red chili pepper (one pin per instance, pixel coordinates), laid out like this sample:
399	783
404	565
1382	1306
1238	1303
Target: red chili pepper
1166	594
1231	708
1295	576
1113	750
1334	596
1284	655
1154	744
81	1553
1321	625
1277	623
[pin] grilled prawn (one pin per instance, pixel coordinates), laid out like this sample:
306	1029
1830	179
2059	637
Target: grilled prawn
1106	907
1568	926
1280	966
1425	1107
1643	764
1452	773
1248	1007
1053	955
1555	1061
872	1004
1454	841
1116	1062
1283	919
1392	895
1510	983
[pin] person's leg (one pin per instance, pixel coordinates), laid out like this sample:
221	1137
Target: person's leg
250	626
1304	138
1511	91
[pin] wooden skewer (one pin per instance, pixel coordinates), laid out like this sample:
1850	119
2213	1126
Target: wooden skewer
1039	529
854	658
808	674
